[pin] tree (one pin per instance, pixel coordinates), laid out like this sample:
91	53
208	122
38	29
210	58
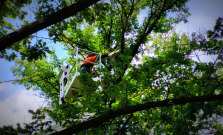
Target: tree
58	16
7	40
168	93
11	10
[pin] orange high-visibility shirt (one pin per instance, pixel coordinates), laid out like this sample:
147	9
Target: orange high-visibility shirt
90	59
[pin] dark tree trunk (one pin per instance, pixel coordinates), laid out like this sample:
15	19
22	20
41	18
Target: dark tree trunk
131	109
40	24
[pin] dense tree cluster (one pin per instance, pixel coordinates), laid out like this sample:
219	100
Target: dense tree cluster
172	91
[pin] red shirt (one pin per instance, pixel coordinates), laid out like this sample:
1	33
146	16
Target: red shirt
90	59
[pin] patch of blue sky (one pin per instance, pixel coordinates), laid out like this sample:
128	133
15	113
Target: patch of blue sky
14	110
5	66
6	91
14	98
204	14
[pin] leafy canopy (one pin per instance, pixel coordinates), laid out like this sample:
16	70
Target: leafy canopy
169	74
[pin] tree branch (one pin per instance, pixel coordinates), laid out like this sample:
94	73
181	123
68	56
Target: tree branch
123	129
25	78
40	24
69	42
81	38
109	35
131	109
50	83
124	26
123	8
146	32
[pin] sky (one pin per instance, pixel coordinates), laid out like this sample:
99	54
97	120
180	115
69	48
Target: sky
204	15
15	100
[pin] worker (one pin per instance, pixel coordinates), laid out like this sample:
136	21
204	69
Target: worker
88	63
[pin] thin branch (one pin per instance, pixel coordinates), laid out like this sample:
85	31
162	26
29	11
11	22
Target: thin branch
50	83
69	42
41	37
123	8
19	79
40	84
122	130
221	52
152	14
196	54
109	35
124	26
145	33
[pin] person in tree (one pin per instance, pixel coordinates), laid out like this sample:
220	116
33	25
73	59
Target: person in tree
88	63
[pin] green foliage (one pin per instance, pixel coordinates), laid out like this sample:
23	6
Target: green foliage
169	74
8	130
38	74
11	9
35	52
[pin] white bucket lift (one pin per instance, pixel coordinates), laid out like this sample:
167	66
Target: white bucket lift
69	77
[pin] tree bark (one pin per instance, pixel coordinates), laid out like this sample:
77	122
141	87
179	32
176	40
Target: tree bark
40	24
131	109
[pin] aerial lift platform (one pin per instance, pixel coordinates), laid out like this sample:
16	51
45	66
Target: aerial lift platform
70	77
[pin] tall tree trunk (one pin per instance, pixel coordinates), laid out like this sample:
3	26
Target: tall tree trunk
40	24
